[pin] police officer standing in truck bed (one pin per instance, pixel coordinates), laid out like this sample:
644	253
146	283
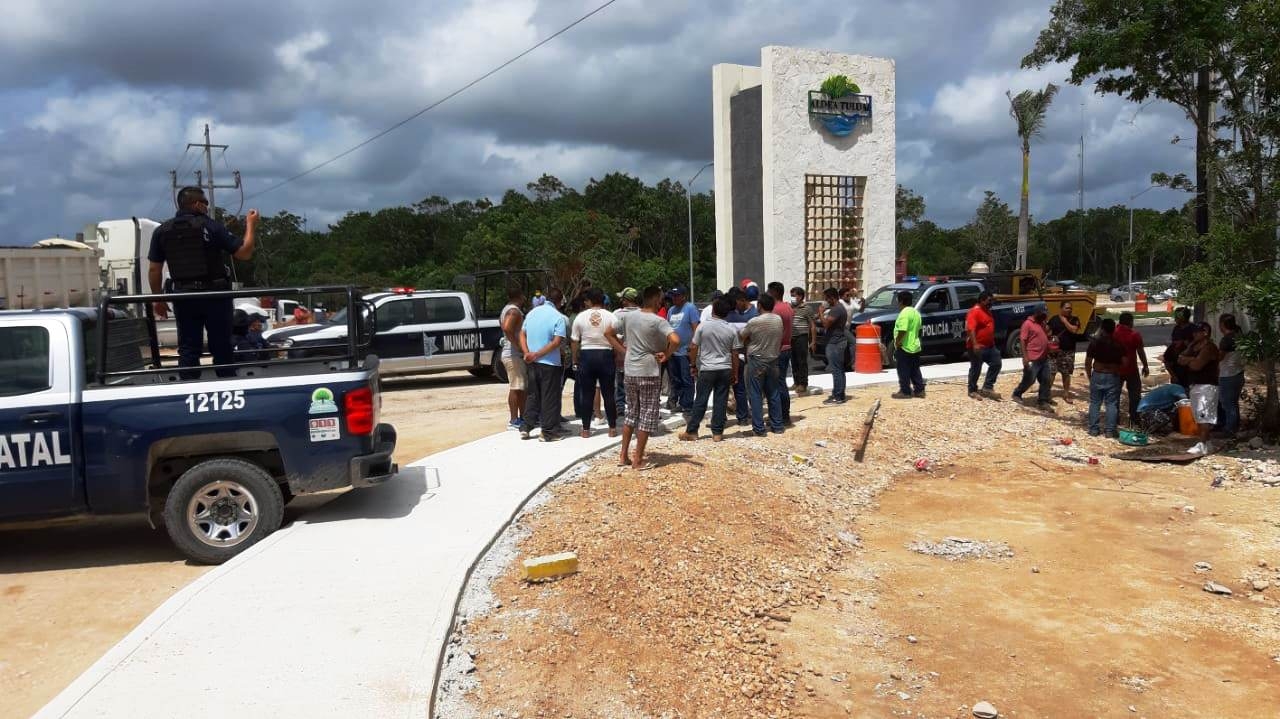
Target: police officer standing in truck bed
194	246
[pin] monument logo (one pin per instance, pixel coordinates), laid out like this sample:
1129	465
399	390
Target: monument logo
838	105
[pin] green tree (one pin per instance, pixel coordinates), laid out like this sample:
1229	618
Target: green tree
992	232
1028	110
1142	50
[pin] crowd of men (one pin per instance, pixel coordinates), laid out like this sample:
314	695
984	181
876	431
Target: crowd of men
735	353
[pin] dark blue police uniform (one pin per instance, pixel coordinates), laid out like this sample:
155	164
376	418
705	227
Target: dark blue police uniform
195	246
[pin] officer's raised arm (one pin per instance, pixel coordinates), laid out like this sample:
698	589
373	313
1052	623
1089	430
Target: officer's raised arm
246	248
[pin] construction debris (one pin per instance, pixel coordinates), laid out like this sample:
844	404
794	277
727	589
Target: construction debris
860	445
953	548
552	566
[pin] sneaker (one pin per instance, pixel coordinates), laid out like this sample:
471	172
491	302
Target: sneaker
550	436
918	395
975	395
524	433
834	400
989	393
900	395
516	424
1044	406
1197	448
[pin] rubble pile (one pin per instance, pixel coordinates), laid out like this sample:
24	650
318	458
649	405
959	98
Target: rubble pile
954	548
688	571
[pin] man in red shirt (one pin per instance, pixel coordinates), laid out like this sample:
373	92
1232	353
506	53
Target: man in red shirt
1035	357
1131	342
980	344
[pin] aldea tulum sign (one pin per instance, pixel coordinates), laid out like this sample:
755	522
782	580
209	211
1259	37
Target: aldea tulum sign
838	105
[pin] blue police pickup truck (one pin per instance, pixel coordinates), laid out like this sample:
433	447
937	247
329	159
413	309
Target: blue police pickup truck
89	425
943	306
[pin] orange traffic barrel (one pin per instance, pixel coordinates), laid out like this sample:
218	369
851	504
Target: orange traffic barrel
866	356
1140	304
1168	306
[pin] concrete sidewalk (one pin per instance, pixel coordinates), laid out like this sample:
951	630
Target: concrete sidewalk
344	612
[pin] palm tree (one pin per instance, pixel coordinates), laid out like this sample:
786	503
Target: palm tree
1027	109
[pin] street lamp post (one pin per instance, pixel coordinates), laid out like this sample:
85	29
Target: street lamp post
1131	199
689	200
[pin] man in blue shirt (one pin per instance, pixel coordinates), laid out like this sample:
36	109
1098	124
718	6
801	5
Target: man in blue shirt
195	248
683	318
544	331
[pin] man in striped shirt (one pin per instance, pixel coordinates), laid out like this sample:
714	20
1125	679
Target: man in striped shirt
804	335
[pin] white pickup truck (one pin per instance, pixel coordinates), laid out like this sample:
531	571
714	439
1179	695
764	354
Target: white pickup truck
414	332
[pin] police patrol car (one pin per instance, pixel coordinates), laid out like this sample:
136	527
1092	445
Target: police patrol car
89	425
414	332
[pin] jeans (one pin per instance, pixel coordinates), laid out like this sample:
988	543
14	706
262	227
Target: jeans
784	395
196	316
681	381
836	350
1133	388
762	386
910	381
595	369
740	393
620	391
800	359
1041	370
546	381
1104	388
712	384
1229	389
990	356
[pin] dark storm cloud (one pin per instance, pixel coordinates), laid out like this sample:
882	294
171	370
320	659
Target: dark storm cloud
111	92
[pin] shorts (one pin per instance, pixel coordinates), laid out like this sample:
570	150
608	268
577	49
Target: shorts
1064	362
643	403
517	372
1204	403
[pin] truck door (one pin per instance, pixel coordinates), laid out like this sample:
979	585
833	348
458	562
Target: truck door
451	330
37	475
942	323
398	339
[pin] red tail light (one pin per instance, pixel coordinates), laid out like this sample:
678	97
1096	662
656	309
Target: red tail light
362	413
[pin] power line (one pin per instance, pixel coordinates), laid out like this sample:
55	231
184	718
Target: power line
435	104
169	193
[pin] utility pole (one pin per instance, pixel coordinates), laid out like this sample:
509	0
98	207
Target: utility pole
1080	190
208	148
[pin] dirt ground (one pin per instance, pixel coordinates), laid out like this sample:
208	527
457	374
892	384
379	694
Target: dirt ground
71	592
772	578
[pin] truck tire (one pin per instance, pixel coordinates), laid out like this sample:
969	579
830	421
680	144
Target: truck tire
1013	345
221	507
499	369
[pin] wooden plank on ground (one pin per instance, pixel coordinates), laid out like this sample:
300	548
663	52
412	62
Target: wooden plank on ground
860	445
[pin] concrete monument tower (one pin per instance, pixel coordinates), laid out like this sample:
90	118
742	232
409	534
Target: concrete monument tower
805	180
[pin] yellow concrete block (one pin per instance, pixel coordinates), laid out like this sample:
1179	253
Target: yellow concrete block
550	566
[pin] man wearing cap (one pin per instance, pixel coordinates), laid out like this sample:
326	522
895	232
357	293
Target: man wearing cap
1199	363
1035	357
246	337
683	318
629	297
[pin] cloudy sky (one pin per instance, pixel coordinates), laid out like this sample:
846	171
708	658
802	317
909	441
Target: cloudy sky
98	99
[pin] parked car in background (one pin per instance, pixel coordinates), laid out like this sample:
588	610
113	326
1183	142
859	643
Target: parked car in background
1127	293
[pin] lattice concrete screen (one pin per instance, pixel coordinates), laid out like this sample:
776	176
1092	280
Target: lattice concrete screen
834	237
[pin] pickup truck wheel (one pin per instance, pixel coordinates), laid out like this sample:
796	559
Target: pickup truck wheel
1013	345
221	507
499	369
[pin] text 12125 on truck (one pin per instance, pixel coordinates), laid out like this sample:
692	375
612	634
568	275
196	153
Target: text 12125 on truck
89	426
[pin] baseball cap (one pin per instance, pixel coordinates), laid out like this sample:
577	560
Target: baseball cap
1204	327
257	316
630	294
717	294
753	291
678	291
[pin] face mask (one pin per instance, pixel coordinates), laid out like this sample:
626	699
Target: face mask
795	301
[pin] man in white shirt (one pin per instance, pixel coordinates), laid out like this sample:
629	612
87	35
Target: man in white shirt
594	345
